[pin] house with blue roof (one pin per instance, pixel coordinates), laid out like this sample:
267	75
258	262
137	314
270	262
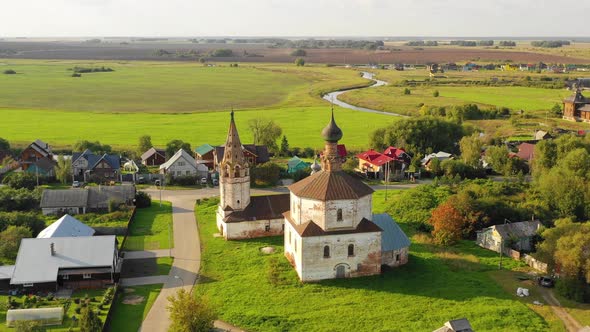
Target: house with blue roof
395	243
87	166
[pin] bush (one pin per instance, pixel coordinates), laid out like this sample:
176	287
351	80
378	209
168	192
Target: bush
9	72
76	75
573	289
300	62
20	180
19	199
435	93
267	174
143	199
299	52
407	91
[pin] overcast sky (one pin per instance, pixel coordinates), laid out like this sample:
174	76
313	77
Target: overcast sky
294	18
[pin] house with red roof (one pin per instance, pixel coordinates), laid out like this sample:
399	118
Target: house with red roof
393	160
526	151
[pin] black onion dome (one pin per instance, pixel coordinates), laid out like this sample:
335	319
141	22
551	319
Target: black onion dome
332	133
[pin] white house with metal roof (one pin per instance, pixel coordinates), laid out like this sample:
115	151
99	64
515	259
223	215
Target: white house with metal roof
183	164
74	262
66	226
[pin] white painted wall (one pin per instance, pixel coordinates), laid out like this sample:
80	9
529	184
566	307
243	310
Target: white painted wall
234	192
324	214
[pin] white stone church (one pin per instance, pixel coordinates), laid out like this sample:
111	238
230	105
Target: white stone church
329	227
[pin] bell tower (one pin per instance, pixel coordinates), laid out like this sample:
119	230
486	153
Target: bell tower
234	173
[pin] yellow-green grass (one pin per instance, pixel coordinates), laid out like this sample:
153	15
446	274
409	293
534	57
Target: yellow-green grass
164	265
152	228
392	99
301	125
435	286
128	317
164	87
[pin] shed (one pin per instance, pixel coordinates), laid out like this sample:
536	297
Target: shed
395	243
72	201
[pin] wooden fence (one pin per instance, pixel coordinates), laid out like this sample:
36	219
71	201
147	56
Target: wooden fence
129	223
107	321
532	262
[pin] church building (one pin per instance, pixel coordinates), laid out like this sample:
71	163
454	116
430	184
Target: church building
329	232
327	219
240	216
576	107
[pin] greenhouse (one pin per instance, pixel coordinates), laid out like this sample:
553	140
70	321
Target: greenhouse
45	316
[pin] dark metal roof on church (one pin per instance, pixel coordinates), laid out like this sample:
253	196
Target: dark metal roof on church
261	208
328	186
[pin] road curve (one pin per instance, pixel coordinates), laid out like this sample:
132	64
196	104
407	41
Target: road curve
333	97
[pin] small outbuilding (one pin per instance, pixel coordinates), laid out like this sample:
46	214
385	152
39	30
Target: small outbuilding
456	325
295	164
395	243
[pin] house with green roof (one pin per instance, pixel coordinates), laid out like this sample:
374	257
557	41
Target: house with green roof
296	164
204	155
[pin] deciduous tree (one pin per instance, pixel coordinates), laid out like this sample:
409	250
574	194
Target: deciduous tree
447	224
471	150
189	315
145	143
63	169
10	240
173	146
265	132
89	320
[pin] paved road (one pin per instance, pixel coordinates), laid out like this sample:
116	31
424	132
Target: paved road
187	257
151	280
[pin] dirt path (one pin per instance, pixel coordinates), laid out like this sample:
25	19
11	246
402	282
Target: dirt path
571	324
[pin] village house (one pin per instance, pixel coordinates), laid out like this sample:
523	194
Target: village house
295	164
239	215
526	151
253	154
38	155
576	107
183	164
83	200
542	135
87	166
517	235
204	154
47	264
440	156
393	161
329	232
153	157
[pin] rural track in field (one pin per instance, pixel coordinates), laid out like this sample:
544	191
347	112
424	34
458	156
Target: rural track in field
571	324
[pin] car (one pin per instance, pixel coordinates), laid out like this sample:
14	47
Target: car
157	182
141	180
203	181
546	281
76	184
215	182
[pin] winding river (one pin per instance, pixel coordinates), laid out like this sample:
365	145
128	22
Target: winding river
333	96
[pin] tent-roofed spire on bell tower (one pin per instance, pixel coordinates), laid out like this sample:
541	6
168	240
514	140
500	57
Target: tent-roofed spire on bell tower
233	154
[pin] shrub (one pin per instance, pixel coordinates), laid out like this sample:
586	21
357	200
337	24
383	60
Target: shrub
574	289
9	72
299	52
143	199
435	93
20	180
300	62
407	91
267	174
76	75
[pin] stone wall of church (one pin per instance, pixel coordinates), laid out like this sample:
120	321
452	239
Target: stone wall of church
250	229
395	258
325	214
292	245
307	255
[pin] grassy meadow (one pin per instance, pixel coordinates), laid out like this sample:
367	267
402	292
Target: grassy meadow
151	228
436	285
128	317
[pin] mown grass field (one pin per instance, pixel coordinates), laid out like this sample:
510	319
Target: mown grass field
128	317
302	125
392	99
435	286
151	228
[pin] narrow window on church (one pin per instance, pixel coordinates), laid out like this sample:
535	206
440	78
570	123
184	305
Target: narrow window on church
289	236
295	246
351	250
397	258
267	228
339	215
326	251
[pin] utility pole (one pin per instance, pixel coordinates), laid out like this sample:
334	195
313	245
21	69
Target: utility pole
502	246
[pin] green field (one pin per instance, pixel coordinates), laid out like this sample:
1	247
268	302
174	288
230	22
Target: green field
392	99
128	317
437	284
151	228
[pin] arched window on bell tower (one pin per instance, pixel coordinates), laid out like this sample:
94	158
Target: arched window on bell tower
326	251
339	215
